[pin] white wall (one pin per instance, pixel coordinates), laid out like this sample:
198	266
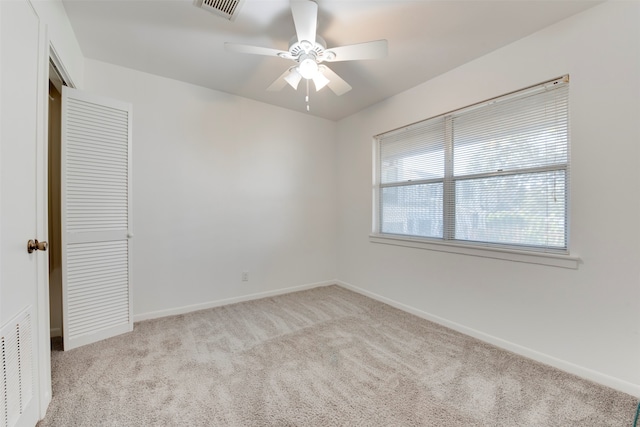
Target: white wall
222	184
585	320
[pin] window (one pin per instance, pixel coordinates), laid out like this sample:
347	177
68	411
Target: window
493	174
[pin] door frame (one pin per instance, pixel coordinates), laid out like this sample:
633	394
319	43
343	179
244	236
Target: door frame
42	226
47	53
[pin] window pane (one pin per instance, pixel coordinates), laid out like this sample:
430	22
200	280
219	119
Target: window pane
425	165
417	153
525	132
414	210
526	209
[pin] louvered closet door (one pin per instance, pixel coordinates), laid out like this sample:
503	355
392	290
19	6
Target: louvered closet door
96	218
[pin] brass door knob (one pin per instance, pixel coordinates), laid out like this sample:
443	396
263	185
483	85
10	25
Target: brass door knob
34	245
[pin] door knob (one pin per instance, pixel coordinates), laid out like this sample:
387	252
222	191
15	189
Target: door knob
34	245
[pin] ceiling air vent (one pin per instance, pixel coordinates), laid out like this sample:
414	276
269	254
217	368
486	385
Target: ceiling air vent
227	9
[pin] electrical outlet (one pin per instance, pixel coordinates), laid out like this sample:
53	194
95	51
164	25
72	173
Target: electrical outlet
245	276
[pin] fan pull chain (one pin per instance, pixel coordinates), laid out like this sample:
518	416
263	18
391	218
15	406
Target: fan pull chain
307	97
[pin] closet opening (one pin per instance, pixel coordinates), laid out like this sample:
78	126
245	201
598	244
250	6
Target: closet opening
54	205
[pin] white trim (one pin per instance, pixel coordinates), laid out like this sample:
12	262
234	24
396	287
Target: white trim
55	332
572	368
227	301
44	387
54	57
541	258
47	53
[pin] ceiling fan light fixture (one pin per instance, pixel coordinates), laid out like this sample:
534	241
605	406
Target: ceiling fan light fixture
308	67
320	81
293	78
309	52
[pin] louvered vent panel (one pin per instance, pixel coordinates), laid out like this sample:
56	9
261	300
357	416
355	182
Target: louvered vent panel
97	150
98	286
227	9
16	390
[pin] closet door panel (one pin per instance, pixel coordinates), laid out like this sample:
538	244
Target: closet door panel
96	218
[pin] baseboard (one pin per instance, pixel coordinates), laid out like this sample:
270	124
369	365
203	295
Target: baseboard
586	373
55	332
227	301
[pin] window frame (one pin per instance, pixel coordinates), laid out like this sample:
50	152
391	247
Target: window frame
559	257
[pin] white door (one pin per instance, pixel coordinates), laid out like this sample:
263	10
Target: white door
19	53
96	218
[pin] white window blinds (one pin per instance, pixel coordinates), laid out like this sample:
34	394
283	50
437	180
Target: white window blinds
412	177
496	173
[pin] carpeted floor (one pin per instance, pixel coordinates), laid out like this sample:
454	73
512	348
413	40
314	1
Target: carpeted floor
323	357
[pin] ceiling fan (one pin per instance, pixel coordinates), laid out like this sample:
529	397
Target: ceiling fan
309	51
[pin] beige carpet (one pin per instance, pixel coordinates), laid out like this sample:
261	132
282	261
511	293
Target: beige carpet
323	357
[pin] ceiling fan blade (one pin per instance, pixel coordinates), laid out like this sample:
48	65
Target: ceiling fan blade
368	50
336	83
255	50
279	83
305	19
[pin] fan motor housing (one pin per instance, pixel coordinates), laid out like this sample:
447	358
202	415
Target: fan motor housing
297	48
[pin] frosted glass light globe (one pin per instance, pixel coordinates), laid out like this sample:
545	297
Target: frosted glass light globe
308	68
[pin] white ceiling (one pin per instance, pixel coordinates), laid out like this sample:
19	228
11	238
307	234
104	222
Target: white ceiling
426	38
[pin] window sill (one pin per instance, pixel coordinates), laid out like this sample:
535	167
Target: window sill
550	259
